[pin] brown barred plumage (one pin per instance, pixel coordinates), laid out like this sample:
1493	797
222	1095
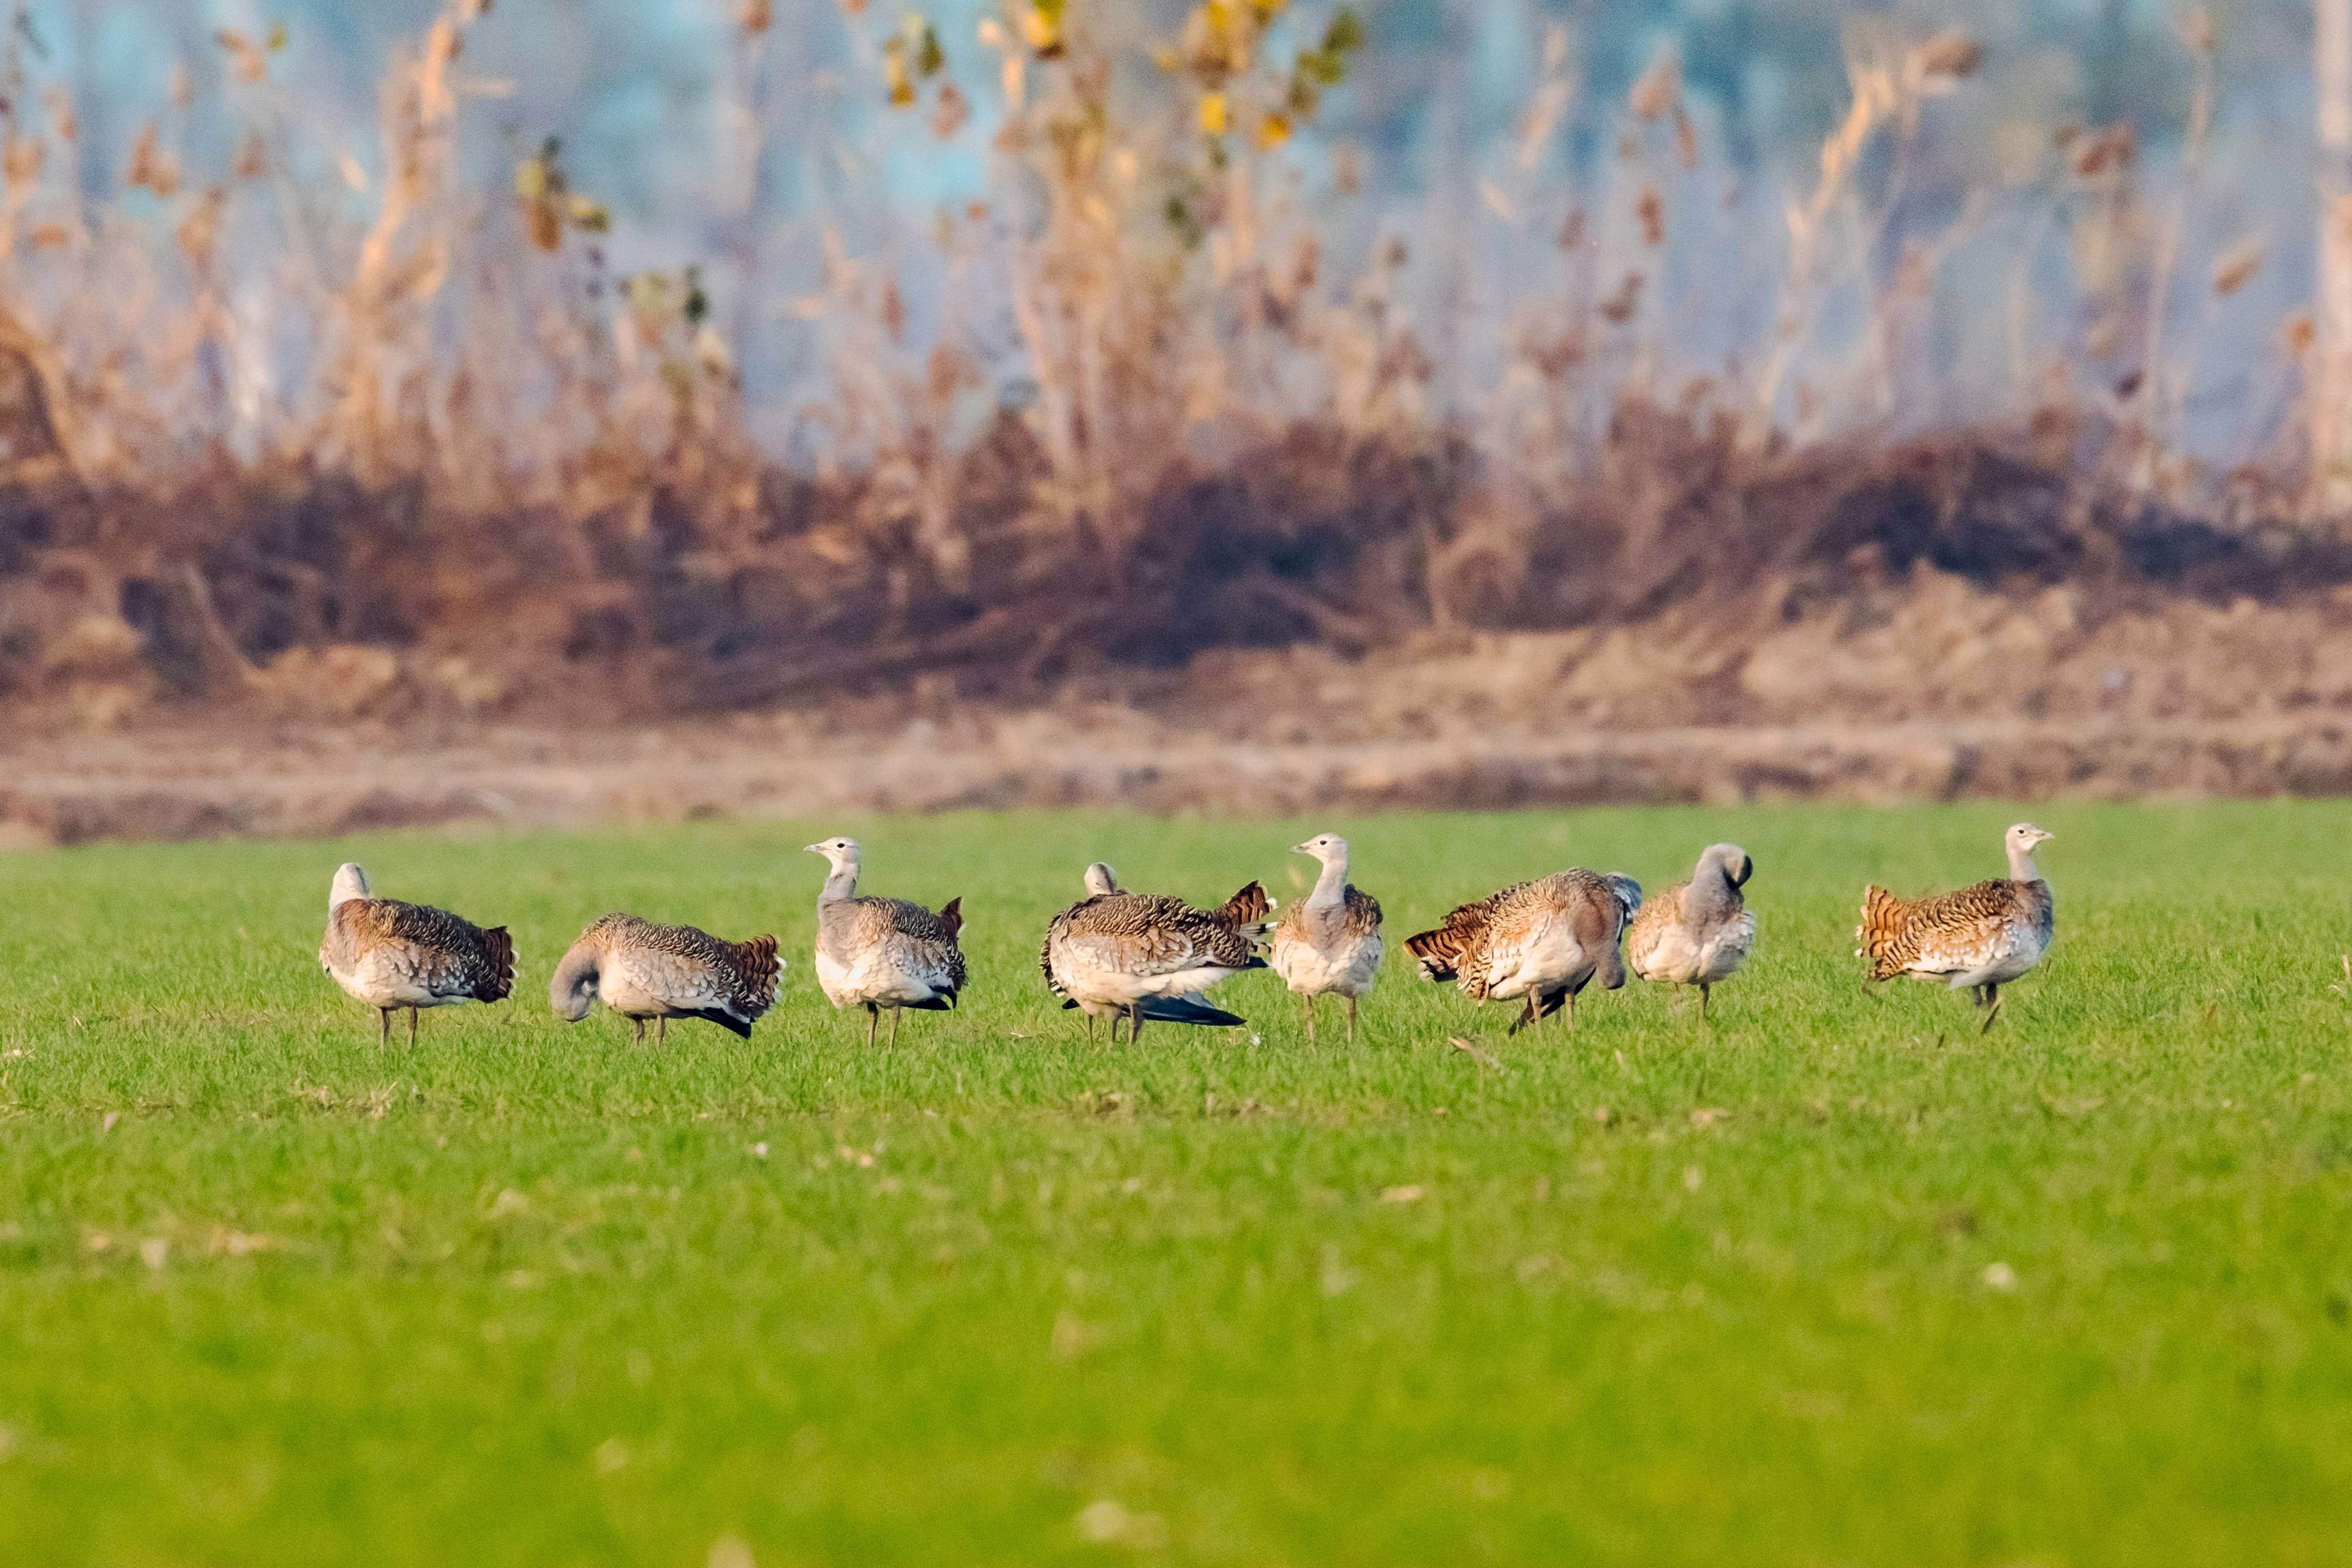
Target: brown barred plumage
1544	940
1361	916
1980	938
646	971
876	953
1146	955
392	954
1947	932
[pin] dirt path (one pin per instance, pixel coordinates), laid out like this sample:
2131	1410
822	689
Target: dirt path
202	782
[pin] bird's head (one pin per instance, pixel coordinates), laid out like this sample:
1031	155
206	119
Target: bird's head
1737	867
840	852
1324	847
1101	879
2024	837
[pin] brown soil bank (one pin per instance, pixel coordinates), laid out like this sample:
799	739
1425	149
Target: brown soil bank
1939	691
1312	621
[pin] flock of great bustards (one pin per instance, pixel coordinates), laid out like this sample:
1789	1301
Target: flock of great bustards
1145	958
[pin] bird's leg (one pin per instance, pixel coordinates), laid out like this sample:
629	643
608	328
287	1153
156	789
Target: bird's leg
1569	1008
1134	1021
1704	990
893	1027
873	1023
1090	1029
412	1029
1309	998
1352	1020
383	1034
661	1030
1115	1018
1992	1010
641	1030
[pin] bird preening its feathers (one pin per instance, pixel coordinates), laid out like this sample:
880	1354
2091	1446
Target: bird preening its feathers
1696	933
392	954
1979	938
661	972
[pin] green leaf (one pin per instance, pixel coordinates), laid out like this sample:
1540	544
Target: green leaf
1345	33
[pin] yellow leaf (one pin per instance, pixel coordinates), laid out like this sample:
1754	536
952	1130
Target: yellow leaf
1213	113
1274	130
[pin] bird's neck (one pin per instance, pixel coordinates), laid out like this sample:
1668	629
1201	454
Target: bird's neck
1711	893
1331	886
840	885
2020	864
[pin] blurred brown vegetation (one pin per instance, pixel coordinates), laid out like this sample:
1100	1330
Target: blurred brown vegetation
503	479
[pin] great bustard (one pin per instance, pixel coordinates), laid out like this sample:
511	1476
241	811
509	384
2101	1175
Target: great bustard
1696	933
392	954
876	953
1328	943
1137	956
1544	940
663	972
1979	939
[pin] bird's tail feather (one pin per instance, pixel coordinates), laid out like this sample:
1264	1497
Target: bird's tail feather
1439	952
1246	910
1884	932
499	946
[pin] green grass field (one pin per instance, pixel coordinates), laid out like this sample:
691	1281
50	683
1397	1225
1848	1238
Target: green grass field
1836	1281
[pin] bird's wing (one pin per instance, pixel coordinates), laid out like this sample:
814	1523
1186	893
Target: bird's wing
1147	935
1653	929
913	940
1951	932
451	955
1450	950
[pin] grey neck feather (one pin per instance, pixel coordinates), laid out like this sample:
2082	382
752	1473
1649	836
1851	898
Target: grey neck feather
573	985
1331	886
842	884
1712	895
2020	864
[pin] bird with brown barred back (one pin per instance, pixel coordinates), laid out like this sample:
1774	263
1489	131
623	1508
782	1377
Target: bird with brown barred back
1979	938
876	953
642	971
1544	940
1147	956
392	954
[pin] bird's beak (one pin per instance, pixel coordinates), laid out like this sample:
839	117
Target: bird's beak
812	849
1300	850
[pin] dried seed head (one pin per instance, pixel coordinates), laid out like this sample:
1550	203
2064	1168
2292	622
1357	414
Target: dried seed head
2237	267
1651	209
1660	88
1950	56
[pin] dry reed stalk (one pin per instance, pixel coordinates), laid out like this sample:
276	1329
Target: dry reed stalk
2167	391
